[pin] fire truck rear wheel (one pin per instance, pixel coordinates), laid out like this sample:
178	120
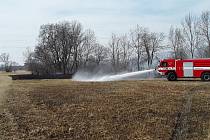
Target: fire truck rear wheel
206	76
171	76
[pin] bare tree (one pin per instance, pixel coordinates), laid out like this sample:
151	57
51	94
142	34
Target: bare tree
77	36
87	47
126	52
31	63
121	52
156	45
58	47
191	33
152	44
205	32
146	40
176	42
115	52
136	43
146	45
100	53
5	58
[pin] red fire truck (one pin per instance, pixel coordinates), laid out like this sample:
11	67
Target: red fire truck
189	68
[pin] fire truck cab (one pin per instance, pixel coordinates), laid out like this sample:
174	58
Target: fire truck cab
189	68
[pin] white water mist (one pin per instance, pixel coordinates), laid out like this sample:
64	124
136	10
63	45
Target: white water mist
82	76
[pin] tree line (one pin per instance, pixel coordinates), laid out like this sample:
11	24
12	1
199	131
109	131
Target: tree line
6	64
66	48
192	38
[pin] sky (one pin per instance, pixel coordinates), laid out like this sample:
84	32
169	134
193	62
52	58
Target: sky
20	20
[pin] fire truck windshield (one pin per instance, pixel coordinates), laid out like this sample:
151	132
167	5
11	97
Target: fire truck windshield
164	64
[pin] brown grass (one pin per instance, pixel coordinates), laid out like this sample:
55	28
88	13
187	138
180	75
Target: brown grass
63	109
5	81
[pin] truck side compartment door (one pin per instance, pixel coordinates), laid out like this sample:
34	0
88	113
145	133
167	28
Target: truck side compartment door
188	69
179	69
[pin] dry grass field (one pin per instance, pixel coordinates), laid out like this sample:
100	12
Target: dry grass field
144	110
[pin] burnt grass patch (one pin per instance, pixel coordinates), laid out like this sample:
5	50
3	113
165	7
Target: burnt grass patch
39	77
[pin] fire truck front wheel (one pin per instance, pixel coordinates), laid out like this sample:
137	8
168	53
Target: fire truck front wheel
205	76
171	76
